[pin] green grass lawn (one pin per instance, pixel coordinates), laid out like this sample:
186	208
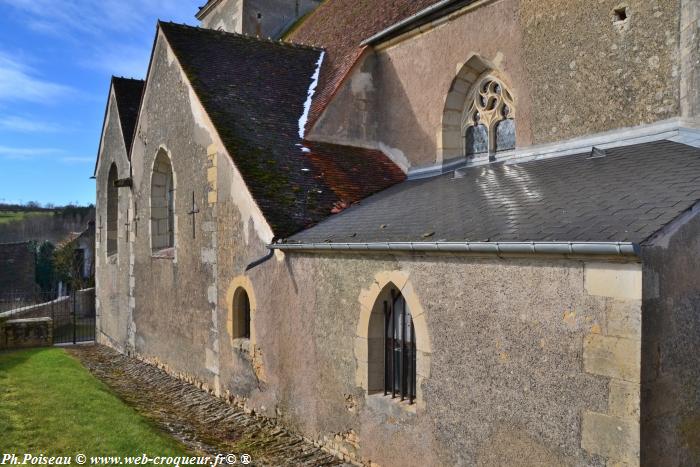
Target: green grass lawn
50	404
13	216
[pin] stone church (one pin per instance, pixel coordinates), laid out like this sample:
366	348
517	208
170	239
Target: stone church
418	232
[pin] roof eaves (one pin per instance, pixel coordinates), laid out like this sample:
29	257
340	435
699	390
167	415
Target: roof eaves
673	225
104	125
616	249
424	16
213	126
204	10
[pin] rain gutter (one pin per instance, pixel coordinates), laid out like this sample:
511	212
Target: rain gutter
416	20
620	249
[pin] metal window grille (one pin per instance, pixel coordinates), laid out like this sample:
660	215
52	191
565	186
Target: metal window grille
399	349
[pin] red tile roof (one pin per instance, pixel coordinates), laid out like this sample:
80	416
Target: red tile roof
339	26
352	173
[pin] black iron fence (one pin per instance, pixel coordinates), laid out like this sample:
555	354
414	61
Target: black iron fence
73	315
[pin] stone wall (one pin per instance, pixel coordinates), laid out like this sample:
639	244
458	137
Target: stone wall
227	16
174	292
25	333
264	18
521	360
573	70
670	411
509	365
513	360
112	270
690	57
17	268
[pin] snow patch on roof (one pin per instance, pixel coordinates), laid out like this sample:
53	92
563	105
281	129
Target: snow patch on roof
309	98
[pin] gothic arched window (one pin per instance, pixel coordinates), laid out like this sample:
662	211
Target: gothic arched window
488	121
112	211
399	349
162	203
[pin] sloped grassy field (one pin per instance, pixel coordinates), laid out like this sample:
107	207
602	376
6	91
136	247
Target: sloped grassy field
13	216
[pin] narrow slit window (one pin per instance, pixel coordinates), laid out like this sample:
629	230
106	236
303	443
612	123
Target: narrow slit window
241	314
112	211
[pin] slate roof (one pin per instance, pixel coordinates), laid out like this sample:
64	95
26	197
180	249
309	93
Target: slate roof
339	26
626	196
254	92
128	95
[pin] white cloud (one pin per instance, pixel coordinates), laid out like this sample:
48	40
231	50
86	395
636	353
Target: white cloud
47	154
77	160
19	83
114	35
26	125
100	17
27	153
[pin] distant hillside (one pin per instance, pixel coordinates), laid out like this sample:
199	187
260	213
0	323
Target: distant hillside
21	223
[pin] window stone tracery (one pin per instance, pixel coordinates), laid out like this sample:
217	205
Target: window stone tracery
488	120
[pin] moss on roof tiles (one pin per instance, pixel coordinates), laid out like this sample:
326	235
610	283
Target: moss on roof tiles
254	92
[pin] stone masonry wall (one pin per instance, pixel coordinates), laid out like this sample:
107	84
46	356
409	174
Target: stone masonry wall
573	70
517	365
670	410
227	16
521	360
26	333
690	61
174	291
112	271
264	18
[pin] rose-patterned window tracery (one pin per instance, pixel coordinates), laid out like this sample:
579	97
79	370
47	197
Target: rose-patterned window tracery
488	121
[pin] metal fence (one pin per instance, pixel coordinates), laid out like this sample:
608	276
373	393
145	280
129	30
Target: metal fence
73	315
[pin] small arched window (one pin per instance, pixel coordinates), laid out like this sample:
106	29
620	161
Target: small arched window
112	211
241	314
399	349
488	121
162	203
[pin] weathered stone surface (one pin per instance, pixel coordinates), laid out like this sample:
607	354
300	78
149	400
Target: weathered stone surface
622	281
612	437
616	357
265	18
505	371
624	401
624	319
670	334
112	271
25	333
572	71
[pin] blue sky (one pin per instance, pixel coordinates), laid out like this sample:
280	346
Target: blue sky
56	59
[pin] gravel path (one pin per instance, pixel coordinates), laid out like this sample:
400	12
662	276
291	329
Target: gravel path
201	421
